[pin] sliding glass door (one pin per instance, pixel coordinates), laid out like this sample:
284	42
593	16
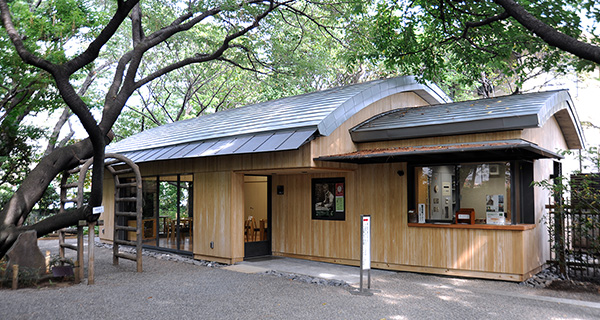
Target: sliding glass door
168	207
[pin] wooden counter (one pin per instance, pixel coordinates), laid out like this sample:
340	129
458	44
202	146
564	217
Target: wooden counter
509	227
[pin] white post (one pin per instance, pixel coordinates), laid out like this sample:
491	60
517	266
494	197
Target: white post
365	253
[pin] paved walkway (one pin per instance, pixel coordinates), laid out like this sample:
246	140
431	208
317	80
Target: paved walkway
183	290
329	271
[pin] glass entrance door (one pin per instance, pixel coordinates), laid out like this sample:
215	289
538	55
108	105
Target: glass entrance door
257	216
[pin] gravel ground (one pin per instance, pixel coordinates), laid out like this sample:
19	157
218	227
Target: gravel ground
183	290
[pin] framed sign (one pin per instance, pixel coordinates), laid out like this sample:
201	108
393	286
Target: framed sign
329	199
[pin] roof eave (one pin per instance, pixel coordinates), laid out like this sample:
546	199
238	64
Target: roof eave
452	128
503	151
429	92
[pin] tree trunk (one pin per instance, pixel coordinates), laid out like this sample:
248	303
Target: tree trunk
33	187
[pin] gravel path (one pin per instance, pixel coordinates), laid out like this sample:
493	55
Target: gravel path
183	290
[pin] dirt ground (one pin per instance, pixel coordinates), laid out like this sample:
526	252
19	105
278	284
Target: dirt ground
574	286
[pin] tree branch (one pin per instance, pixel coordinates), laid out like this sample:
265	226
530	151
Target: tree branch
92	51
15	38
38	180
226	44
550	35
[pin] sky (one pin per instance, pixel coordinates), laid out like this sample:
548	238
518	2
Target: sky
585	93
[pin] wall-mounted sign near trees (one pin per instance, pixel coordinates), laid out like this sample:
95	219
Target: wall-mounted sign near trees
328	199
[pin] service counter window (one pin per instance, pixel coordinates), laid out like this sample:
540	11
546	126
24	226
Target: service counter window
464	193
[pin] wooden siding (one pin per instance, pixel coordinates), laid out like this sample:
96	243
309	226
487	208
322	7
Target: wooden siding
339	141
377	190
432	141
549	136
295	232
216	198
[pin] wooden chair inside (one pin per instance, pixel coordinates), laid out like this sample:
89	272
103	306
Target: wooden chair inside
250	230
186	228
170	228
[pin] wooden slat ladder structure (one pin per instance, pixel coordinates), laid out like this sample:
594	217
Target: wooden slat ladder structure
117	165
128	205
77	200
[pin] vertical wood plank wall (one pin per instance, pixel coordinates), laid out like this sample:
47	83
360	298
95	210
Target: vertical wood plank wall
217	204
377	190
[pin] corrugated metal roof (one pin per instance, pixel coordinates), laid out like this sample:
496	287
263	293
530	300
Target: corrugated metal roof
260	142
485	115
322	112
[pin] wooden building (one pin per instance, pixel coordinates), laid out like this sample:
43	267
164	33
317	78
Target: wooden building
447	185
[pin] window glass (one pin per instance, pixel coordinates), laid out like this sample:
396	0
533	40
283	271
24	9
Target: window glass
168	211
441	191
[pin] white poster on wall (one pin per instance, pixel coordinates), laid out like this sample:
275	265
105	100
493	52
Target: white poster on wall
494	208
421	213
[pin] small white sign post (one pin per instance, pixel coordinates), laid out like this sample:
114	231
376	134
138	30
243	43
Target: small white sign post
365	254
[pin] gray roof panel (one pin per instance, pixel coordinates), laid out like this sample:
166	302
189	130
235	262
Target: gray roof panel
485	115
150	155
235	145
218	146
271	141
187	149
297	138
172	151
325	110
199	150
138	154
274	141
163	153
254	143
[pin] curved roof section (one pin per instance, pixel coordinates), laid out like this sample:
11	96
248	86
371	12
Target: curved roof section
321	111
512	112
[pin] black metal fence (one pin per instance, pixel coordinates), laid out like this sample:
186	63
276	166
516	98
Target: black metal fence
575	242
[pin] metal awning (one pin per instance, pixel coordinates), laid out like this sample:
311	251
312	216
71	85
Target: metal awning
260	142
486	151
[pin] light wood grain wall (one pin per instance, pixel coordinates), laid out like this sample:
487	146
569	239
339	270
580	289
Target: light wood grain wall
295	232
548	136
340	142
218	216
377	190
436	141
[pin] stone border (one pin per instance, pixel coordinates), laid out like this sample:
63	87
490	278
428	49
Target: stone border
211	264
164	256
308	279
543	278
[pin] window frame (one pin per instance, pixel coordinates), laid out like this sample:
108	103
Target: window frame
521	191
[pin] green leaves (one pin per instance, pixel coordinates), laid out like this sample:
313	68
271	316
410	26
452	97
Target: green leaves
292	52
464	43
